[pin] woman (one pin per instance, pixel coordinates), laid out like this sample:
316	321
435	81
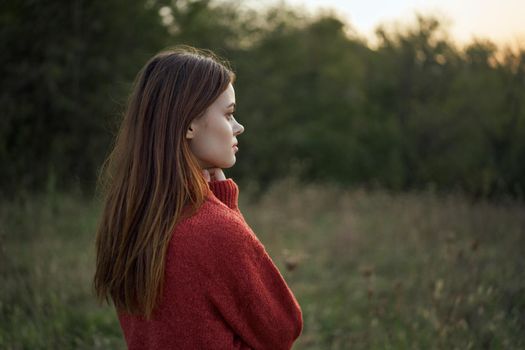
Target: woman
174	253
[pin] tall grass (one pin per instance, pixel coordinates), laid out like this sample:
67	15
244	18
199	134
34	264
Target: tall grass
371	270
46	264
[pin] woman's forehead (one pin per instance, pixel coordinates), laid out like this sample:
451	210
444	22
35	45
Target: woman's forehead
227	98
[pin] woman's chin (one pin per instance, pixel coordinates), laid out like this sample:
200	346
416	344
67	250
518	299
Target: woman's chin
223	164
229	164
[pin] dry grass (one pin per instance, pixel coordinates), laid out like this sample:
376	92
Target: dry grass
371	270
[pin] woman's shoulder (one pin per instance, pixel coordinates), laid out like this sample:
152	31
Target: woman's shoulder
211	213
216	224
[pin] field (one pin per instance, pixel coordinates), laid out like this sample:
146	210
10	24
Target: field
371	269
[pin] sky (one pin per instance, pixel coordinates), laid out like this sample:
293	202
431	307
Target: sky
502	21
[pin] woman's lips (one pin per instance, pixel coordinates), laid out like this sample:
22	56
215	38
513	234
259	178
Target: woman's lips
235	148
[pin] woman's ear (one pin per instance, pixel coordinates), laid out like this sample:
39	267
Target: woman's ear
190	133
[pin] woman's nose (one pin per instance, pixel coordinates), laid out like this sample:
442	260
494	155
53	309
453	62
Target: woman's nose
239	129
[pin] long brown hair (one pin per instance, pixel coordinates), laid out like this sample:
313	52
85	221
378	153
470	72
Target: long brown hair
151	177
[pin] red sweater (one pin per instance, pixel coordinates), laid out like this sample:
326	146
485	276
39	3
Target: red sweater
221	290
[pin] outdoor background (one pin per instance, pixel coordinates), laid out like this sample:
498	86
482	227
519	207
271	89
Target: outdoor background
386	179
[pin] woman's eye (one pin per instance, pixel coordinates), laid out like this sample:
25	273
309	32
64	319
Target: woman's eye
230	116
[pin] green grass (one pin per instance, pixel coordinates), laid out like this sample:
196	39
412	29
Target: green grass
373	270
47	262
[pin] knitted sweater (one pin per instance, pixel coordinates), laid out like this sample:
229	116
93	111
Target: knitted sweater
222	290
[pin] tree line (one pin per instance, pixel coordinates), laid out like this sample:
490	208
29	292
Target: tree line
316	99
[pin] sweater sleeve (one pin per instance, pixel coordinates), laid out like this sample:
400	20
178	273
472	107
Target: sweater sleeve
249	292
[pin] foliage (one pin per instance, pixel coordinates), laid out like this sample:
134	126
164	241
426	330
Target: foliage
65	67
315	99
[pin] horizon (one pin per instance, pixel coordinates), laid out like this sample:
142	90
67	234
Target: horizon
497	21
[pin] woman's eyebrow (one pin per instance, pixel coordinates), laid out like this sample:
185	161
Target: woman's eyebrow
231	105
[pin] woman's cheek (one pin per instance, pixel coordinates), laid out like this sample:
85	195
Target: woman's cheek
215	148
